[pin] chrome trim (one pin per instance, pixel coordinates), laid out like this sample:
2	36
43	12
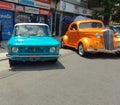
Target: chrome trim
108	39
24	56
103	50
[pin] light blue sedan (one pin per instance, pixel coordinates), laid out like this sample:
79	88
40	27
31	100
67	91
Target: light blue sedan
32	42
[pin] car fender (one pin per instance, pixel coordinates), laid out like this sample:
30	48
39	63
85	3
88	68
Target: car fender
86	42
65	39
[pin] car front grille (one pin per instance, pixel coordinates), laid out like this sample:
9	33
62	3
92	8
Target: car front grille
33	49
108	39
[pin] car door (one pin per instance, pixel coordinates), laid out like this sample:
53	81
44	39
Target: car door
73	35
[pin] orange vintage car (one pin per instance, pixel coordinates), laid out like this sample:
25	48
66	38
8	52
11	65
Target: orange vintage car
90	36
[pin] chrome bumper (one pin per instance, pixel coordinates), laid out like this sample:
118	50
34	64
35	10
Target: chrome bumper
31	56
103	50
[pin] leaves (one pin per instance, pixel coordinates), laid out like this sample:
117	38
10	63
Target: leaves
111	8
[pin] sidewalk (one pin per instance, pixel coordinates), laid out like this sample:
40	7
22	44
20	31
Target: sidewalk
3	50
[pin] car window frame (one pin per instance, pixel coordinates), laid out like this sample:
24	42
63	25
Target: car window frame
73	27
48	30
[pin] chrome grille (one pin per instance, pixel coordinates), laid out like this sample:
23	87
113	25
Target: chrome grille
108	39
33	49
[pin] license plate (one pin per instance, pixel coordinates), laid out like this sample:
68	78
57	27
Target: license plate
34	59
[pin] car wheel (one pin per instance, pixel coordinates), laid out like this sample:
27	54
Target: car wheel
54	61
117	53
12	63
81	51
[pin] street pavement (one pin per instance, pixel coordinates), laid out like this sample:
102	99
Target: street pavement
73	80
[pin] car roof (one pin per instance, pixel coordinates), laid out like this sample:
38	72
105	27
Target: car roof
87	20
31	24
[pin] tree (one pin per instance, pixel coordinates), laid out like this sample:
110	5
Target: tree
116	15
110	10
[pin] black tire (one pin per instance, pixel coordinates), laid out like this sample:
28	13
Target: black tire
117	53
55	60
81	51
12	63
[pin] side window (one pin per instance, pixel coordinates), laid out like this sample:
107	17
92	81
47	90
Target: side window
73	27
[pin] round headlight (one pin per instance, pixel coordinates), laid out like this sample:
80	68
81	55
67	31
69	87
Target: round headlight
14	49
52	49
97	35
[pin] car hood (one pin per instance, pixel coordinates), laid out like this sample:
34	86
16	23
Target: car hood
33	41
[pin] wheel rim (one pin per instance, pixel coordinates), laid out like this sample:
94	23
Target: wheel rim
81	49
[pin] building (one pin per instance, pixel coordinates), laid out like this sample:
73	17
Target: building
15	11
64	11
56	13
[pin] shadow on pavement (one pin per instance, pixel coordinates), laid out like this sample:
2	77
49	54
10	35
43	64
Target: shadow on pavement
99	55
103	56
37	66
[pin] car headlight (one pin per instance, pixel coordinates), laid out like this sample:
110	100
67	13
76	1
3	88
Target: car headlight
118	35
52	49
98	35
15	49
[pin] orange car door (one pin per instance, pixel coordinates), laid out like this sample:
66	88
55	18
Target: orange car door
73	35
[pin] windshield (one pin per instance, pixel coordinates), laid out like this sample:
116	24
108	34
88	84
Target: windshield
91	25
31	30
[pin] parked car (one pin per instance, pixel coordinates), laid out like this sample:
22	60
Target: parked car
115	28
32	42
90	36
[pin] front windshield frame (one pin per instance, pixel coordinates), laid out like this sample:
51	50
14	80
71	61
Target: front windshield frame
32	30
90	25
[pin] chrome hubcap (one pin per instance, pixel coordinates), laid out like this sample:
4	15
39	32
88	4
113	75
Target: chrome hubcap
81	50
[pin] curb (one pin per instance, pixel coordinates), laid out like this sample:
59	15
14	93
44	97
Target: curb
3	59
3	56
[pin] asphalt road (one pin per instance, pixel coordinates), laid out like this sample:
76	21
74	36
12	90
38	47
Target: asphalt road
73	80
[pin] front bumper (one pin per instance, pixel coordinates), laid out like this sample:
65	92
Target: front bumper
32	56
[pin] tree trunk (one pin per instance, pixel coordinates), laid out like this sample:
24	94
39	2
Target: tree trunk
106	20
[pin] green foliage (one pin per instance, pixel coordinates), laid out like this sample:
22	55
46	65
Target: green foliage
111	8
